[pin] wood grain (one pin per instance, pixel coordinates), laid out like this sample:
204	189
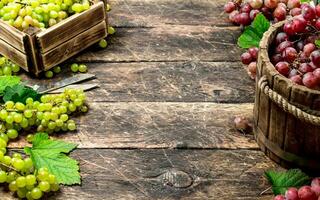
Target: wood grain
221	82
168	43
70	27
13	54
12	36
74	45
160	125
168	174
152	13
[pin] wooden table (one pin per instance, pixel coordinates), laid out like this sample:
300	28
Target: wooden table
160	125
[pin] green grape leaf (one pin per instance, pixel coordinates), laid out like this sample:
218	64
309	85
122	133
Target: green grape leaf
317	42
19	93
6	81
51	154
253	34
281	181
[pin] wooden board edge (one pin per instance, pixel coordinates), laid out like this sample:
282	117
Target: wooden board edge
16	36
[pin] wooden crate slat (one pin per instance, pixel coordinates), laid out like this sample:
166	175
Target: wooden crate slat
12	36
13	54
74	46
70	27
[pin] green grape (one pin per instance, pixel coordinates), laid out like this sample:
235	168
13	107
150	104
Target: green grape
17	155
108	7
111	30
4	137
36	193
72	126
3	114
29	196
74	67
20	106
30	180
21	182
11	176
17	117
72	107
84	109
42	175
51	179
9	119
3	176
1	155
6	160
57	69
49	74
29	101
30	138
15	68
9	104
64	117
83	68
54	187
12	133
103	43
3	144
59	122
28	164
13	186
52	125
7	71
44	186
18	164
28	113
21	192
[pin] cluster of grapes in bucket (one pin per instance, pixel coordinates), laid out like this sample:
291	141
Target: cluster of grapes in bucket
295	53
304	193
274	10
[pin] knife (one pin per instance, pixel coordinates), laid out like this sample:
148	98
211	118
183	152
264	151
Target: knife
51	86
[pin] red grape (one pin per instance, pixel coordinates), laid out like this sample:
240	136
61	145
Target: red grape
316	72
229	7
246	58
299	45
256	4
305	193
266	12
276	58
317	24
241	123
308	13
252	67
296	79
316	189
279	197
271	3
315	181
310	81
315	57
245	8
288	28
283	68
280	13
244	19
253	14
292	194
318	10
308	49
290	54
293	4
232	16
283	45
281	37
253	52
295	11
293	72
299	24
305	67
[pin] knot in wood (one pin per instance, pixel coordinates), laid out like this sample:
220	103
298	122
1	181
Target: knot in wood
176	178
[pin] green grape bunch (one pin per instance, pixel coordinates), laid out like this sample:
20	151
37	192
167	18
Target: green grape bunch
7	67
39	13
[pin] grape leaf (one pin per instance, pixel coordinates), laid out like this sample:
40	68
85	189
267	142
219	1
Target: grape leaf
52	155
19	93
6	81
317	42
253	34
281	181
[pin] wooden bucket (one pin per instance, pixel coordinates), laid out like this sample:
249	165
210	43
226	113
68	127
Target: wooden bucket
286	115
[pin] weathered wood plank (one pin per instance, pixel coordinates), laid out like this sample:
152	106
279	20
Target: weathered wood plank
222	82
168	174
80	42
151	13
70	27
160	125
12	35
168	43
13	54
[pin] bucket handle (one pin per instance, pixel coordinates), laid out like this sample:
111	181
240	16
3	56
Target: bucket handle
285	105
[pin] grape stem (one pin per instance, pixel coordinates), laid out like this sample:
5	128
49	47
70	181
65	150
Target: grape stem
9	167
266	190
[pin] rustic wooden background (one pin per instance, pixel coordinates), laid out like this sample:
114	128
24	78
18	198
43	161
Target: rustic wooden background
160	125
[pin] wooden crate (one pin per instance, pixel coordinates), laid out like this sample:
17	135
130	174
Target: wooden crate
286	115
36	50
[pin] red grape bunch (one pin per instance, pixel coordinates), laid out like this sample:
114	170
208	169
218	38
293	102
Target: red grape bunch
243	13
311	192
296	54
250	58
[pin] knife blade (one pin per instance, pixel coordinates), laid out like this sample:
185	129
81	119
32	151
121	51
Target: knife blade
84	87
